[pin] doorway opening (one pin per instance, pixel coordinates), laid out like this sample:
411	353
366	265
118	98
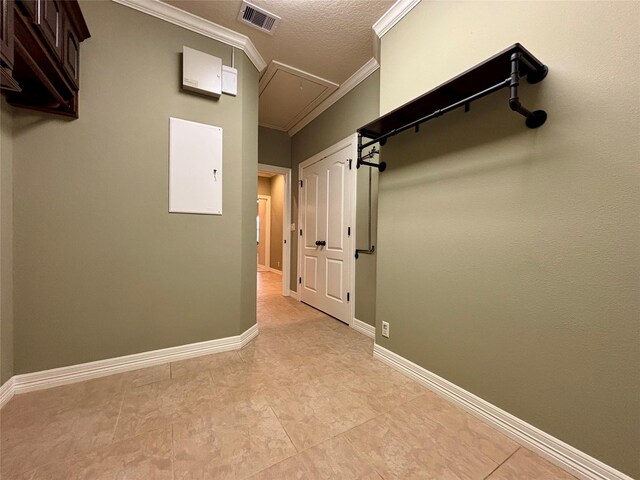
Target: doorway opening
273	220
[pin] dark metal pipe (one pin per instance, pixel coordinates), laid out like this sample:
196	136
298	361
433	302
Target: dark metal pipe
382	166
533	119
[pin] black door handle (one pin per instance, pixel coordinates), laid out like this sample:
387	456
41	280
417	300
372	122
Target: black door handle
320	243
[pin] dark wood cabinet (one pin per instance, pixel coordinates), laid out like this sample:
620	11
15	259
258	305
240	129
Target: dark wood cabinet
71	52
6	33
45	48
50	24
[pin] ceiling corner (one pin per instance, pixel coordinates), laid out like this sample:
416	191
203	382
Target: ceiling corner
393	16
199	25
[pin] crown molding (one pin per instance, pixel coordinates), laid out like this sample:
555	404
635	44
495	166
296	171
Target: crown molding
199	25
349	84
392	16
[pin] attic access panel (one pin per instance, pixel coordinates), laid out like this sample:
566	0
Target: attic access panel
483	76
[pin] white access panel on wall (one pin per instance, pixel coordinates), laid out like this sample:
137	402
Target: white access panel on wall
195	167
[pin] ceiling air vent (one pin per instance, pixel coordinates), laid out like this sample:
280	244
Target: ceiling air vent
258	18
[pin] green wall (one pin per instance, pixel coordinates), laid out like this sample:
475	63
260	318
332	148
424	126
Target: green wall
6	242
342	119
101	268
274	147
508	258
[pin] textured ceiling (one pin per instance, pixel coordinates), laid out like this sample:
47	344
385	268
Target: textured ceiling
327	38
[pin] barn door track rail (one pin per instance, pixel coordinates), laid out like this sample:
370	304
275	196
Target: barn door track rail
502	70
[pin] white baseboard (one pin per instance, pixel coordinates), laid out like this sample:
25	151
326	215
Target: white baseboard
294	294
364	328
29	382
275	270
6	392
556	451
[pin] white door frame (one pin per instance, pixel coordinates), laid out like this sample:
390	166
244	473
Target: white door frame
267	231
286	222
351	140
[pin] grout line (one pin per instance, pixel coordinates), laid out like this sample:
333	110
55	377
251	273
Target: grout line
173	454
115	427
285	430
503	462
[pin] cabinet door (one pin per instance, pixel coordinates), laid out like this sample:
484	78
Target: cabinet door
30	7
6	33
51	25
71	57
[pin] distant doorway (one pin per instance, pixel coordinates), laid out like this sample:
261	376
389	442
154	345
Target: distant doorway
263	227
273	222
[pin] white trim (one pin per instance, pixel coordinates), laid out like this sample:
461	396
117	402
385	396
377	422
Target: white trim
6	392
392	16
353	222
267	233
294	294
248	335
556	451
349	84
86	371
199	25
364	328
286	223
275	270
351	140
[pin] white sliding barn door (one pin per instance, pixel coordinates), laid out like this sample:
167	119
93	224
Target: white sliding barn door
326	250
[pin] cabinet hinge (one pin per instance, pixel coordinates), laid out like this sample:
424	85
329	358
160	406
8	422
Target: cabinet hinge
300	232
349	231
350	160
301	183
299	279
348	296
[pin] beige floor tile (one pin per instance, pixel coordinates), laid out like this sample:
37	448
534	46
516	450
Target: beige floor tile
58	437
526	465
307	384
21	476
145	376
312	412
332	460
235	442
213	362
159	404
145	457
460	425
34	407
400	450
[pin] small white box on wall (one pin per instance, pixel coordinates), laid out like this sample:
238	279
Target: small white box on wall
229	80
201	72
195	167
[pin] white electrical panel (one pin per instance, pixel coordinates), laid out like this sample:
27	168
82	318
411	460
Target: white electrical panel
195	167
229	80
201	72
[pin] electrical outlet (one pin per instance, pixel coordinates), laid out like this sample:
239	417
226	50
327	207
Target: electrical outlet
385	329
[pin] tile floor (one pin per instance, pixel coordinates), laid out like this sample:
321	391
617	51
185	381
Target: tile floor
304	400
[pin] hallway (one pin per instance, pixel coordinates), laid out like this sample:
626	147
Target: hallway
304	400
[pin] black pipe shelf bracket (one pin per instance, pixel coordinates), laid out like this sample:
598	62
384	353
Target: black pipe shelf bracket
504	69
